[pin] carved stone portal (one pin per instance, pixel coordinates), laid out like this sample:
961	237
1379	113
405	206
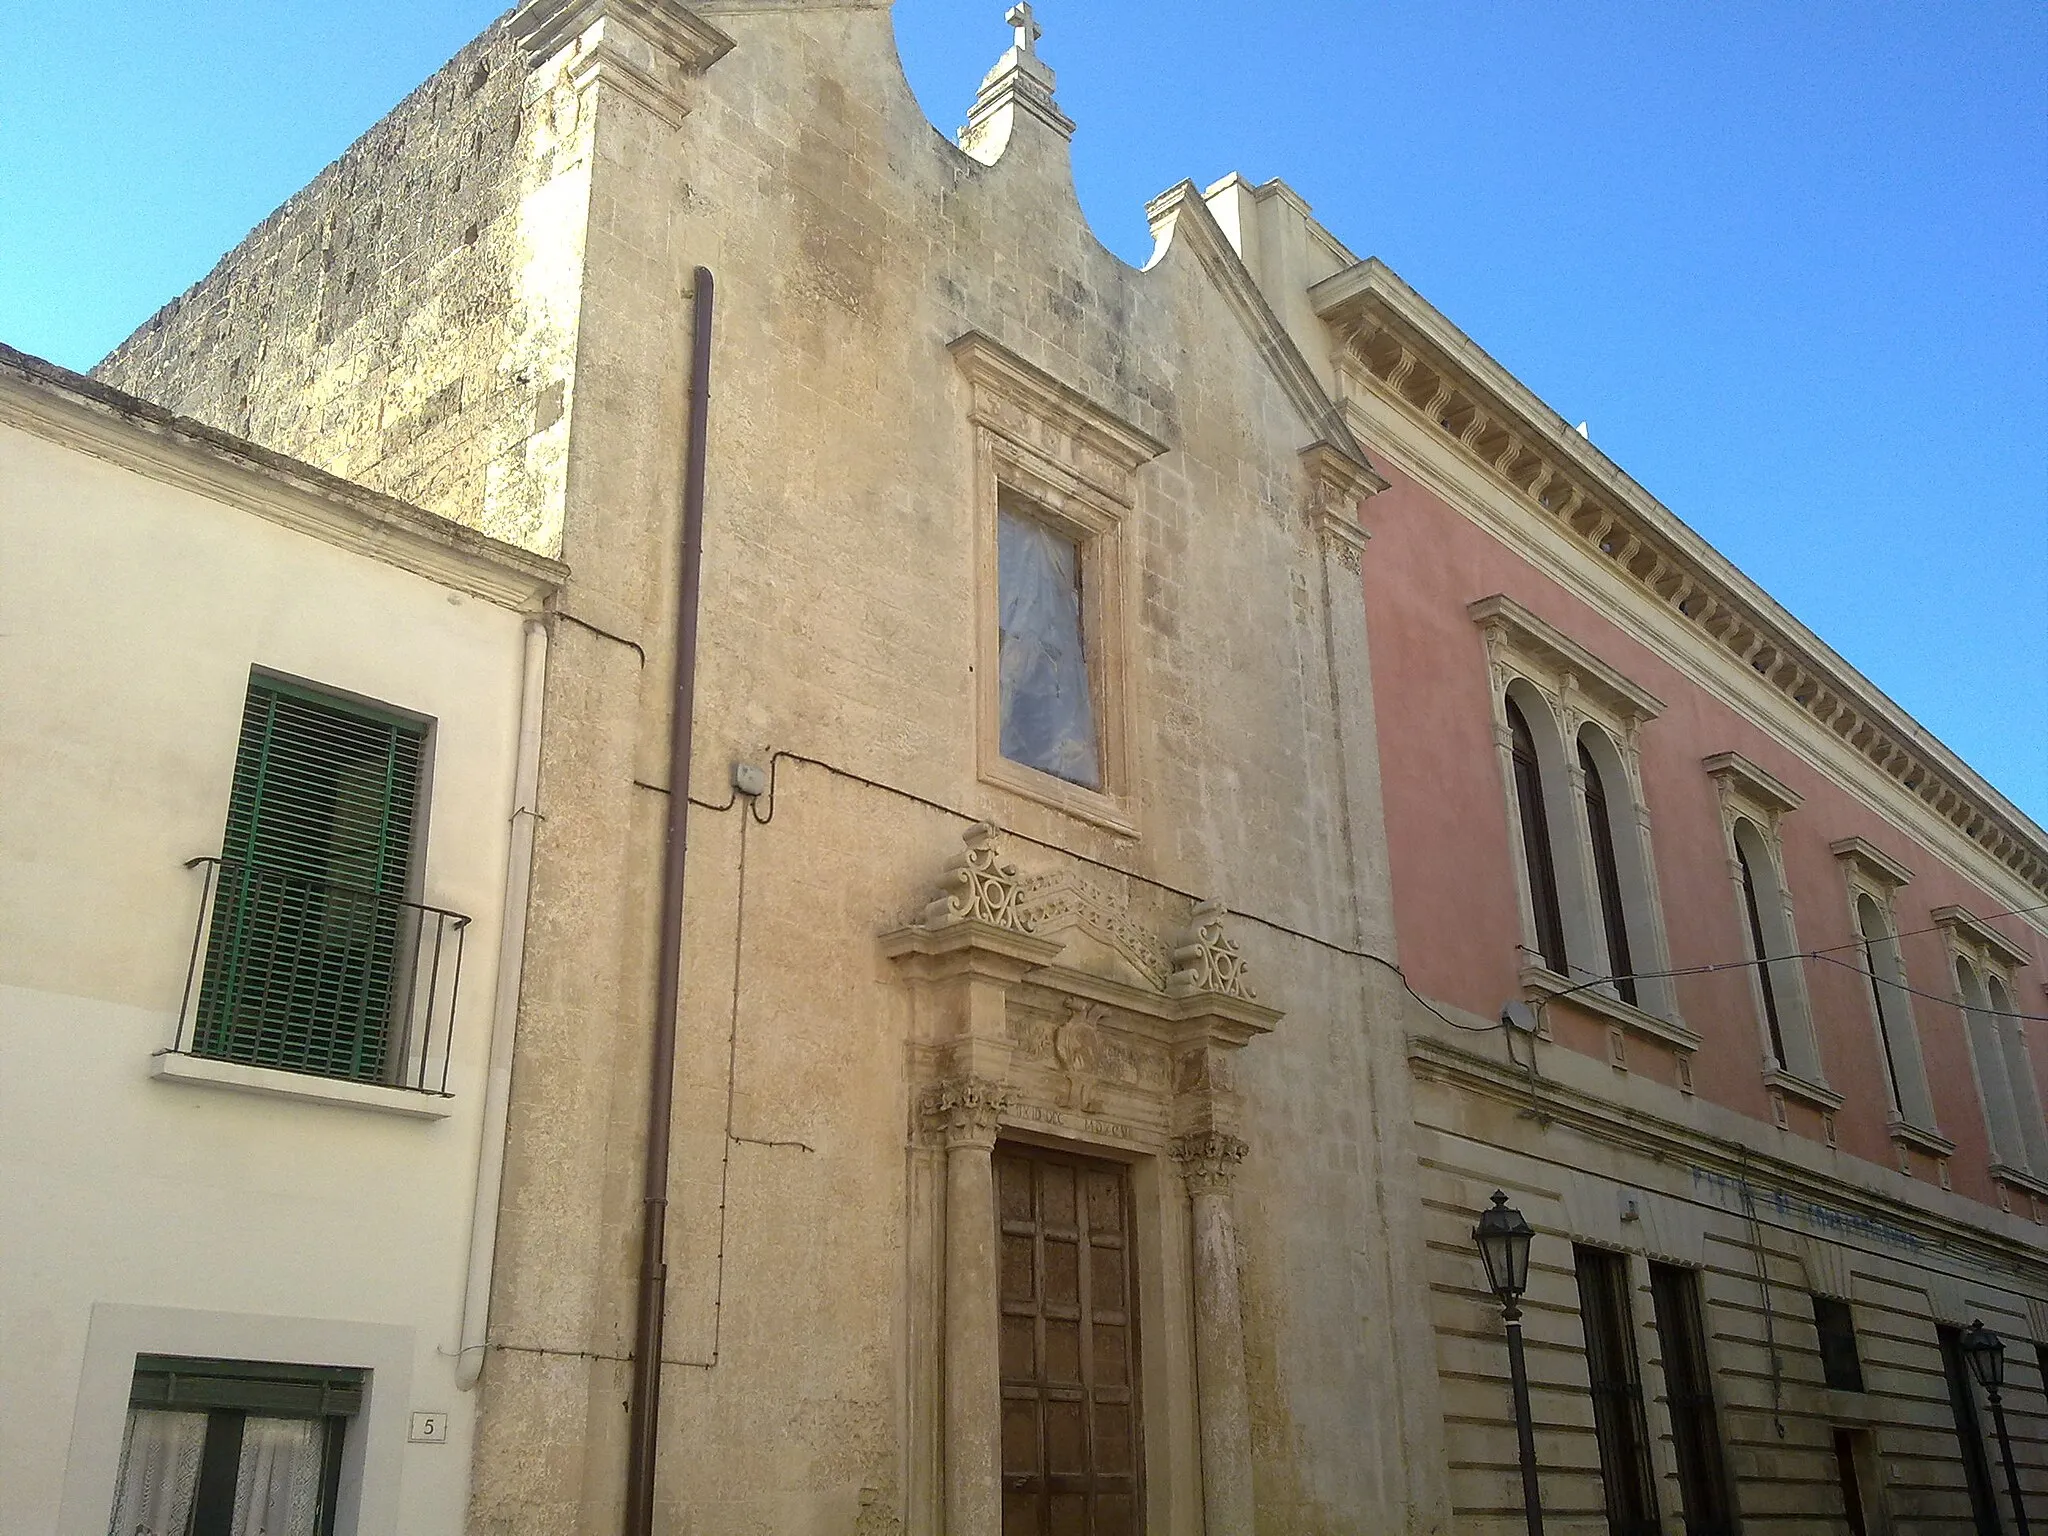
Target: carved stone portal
1049	1009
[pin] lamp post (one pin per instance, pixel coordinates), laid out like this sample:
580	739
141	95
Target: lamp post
1503	1236
1985	1351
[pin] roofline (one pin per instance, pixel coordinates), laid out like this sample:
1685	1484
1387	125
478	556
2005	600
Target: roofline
79	412
1369	303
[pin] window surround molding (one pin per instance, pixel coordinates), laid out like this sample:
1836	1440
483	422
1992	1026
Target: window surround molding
1538	664
1868	873
1076	465
1992	958
1752	796
117	1333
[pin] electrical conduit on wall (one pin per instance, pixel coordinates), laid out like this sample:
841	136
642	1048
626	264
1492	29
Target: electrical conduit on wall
490	1173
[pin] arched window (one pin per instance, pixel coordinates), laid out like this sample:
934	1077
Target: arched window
1536	849
1876	946
2019	1073
1759	947
1607	876
1994	1082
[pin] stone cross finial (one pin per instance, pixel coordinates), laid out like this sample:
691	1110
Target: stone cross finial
1028	29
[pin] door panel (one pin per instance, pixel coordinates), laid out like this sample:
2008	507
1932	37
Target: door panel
1070	1426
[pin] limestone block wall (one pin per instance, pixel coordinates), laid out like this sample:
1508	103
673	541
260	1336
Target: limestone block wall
1903	1269
407	319
852	244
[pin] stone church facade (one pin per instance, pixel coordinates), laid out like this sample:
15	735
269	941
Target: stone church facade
1057	1144
1040	1142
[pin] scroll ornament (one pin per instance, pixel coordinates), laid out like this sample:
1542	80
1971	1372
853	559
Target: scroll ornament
979	886
1206	960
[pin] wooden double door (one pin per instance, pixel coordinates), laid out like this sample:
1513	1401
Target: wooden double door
1071	1443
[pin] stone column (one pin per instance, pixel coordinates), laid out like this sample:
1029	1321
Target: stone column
1208	1163
965	1113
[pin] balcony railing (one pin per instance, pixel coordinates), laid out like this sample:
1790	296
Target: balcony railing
314	976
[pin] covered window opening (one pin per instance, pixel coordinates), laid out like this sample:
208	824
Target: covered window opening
1607	876
1048	707
1879	957
1538	859
1617	1387
1759	946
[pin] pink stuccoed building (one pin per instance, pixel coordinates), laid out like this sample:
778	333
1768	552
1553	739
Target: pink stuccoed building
1769	1100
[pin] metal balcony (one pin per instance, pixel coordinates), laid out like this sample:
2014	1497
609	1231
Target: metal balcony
308	975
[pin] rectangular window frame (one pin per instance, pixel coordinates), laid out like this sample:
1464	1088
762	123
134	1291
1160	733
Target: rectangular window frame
2011	1106
1022	492
1628	1476
1075	466
227	1393
1698	1445
1841	1357
1870	875
216	995
1976	1459
1075	511
1578	692
1749	794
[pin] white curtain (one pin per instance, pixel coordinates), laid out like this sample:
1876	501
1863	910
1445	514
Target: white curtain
159	1471
1048	718
278	1492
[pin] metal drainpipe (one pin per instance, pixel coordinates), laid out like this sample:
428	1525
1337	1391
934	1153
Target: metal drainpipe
490	1171
644	1424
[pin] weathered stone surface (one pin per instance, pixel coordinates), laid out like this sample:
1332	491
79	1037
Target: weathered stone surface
843	597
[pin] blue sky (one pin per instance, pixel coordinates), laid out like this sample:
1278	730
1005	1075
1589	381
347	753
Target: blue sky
1790	261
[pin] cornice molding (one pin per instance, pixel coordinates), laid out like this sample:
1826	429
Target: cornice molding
1967	925
1736	773
644	47
1393	343
1641	1133
1876	865
1532	636
82	414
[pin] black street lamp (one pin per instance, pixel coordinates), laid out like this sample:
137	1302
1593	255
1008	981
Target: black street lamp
1985	1351
1503	1236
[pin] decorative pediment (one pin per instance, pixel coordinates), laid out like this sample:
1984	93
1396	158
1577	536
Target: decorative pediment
1056	423
1087	1015
1514	636
1063	903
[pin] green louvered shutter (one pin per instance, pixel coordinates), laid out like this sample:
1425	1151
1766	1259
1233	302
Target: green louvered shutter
305	946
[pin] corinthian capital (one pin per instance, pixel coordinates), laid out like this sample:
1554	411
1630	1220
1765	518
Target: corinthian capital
964	1111
1208	1161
